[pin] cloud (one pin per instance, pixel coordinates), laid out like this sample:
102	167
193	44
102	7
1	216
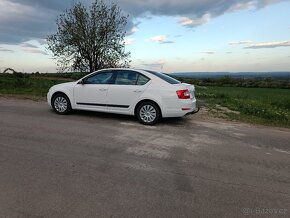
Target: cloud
24	20
5	50
133	30
190	8
42	41
155	65
168	42
185	21
132	26
241	42
268	45
191	13
129	41
209	52
243	5
20	22
34	50
28	45
160	39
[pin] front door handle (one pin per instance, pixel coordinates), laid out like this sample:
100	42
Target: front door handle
137	91
102	90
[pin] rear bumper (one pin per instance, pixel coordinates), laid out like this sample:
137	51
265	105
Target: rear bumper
193	112
185	106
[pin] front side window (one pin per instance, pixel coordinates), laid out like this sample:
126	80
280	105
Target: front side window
100	78
126	77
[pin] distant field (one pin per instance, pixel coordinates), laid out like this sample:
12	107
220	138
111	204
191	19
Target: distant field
255	105
269	106
26	85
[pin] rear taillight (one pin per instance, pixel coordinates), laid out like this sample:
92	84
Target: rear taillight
183	94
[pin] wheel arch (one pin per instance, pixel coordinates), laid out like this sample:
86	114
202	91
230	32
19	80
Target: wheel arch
59	92
147	100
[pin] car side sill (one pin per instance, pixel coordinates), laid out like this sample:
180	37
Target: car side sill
103	105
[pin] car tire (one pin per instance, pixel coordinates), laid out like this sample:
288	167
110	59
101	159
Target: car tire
61	104
148	113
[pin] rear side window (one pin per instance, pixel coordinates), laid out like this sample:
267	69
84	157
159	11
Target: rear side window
126	77
142	80
164	77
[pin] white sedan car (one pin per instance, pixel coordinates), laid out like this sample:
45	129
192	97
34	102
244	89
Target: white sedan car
146	94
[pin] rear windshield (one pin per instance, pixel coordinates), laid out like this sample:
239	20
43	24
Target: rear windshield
164	77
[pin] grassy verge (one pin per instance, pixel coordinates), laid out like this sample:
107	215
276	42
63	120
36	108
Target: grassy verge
26	86
266	106
254	105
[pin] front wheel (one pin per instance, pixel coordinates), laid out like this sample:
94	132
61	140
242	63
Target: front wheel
61	104
148	113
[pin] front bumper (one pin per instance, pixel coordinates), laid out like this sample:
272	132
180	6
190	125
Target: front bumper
49	98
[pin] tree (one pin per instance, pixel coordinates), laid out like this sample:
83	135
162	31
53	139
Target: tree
7	70
90	39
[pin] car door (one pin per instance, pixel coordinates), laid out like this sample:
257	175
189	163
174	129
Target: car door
91	93
126	89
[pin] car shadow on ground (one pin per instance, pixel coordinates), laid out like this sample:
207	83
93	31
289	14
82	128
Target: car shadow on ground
126	118
101	115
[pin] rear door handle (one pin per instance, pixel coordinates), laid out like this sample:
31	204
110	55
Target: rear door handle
102	90
137	91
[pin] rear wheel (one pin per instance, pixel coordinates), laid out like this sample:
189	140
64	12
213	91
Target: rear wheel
61	104
148	113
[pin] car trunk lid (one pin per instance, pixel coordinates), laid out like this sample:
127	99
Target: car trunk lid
190	88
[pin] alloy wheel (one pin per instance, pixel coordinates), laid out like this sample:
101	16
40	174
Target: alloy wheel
148	113
60	104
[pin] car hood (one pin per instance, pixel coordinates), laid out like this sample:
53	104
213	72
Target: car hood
63	85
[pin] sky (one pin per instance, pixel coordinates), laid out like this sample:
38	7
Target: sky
162	35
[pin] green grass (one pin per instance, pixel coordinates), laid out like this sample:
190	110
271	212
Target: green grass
266	106
255	105
26	85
